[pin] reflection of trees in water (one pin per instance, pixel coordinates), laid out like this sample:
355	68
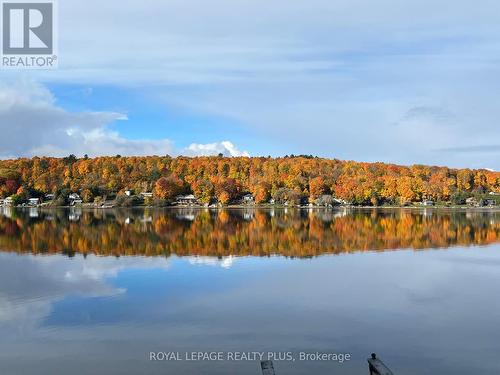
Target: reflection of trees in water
241	232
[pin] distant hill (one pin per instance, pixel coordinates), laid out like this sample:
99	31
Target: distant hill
290	179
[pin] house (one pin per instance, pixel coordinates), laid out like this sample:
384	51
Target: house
189	199
427	202
272	201
74	198
340	201
128	193
146	195
34	201
489	202
327	200
248	198
76	201
9	201
49	197
472	201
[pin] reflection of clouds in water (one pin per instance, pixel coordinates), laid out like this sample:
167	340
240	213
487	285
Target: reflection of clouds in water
30	285
390	302
23	314
223	262
99	268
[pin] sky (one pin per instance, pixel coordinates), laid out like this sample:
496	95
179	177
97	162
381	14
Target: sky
413	82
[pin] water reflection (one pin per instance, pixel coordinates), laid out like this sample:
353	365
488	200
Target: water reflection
427	312
155	232
186	286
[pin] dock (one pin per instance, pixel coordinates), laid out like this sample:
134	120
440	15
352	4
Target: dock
375	365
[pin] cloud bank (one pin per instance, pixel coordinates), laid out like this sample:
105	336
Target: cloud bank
225	148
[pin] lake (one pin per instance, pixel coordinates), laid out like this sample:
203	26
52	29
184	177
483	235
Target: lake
102	291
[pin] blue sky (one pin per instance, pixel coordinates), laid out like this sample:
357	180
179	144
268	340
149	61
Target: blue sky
402	82
148	116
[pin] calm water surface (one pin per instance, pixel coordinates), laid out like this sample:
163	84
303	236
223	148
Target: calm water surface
93	292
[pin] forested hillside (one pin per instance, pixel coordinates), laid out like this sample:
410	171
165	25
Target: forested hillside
225	179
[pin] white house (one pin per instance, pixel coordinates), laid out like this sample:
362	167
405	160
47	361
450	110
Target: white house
189	199
427	202
34	201
471	201
74	198
340	201
248	198
8	201
147	195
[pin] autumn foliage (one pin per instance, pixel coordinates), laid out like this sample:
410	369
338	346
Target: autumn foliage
168	187
226	179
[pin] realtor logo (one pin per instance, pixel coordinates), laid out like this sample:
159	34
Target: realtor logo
28	34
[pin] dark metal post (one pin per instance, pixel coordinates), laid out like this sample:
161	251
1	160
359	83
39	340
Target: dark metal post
377	367
267	367
372	369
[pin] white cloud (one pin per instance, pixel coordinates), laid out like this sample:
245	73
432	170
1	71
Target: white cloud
210	149
32	124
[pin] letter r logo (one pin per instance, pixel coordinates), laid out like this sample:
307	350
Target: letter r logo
27	28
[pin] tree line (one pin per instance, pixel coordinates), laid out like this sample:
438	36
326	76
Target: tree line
291	179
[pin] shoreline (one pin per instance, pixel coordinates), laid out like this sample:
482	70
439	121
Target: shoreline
260	207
